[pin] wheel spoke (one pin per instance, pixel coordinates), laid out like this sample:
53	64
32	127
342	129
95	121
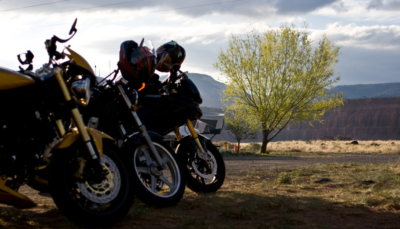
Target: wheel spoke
147	155
143	170
164	160
202	181
171	186
153	184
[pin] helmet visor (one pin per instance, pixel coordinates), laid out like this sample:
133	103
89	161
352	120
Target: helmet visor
150	47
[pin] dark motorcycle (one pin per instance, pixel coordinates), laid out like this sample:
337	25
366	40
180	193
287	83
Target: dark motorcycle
157	172
89	182
179	105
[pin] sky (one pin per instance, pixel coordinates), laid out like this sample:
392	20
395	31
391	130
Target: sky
368	31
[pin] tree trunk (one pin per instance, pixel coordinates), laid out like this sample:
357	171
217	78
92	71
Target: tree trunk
238	146
264	140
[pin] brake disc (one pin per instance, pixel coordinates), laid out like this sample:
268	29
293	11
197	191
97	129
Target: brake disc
108	189
212	163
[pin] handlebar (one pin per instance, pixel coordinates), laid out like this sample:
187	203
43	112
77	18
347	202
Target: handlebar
167	84
51	45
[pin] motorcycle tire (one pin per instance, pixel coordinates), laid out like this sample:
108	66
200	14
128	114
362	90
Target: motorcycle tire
199	178
85	203
157	189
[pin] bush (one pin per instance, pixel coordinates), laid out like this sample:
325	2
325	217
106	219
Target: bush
284	178
254	146
222	145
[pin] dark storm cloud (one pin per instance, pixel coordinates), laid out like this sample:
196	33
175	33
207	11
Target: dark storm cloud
305	6
391	5
248	8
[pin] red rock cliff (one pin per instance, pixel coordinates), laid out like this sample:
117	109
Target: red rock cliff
359	119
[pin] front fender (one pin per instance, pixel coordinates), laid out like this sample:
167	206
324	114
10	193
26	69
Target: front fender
68	139
189	141
135	139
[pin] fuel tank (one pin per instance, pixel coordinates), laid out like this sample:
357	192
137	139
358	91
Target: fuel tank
161	114
10	79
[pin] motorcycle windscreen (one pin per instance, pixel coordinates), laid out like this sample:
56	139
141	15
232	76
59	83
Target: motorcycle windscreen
10	79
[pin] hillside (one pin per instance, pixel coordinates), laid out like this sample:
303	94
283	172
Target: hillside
359	91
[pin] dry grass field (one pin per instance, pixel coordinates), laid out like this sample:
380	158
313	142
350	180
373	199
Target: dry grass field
317	196
318	146
336	195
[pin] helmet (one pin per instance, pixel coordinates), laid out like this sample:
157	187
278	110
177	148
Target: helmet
137	63
168	55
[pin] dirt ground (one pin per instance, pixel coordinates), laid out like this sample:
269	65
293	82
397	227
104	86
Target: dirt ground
234	205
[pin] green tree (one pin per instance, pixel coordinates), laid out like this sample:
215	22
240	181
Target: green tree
237	126
278	78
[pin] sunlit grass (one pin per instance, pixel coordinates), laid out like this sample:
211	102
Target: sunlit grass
314	148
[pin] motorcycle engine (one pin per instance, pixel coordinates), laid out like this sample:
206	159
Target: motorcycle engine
22	135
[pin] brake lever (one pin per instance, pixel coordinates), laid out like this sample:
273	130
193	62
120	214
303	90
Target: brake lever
28	58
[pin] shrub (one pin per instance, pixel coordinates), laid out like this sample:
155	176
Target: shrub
253	146
284	178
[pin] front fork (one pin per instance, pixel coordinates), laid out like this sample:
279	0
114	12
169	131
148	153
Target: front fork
203	154
78	122
142	129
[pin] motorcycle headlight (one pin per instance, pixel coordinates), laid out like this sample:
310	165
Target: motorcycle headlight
81	90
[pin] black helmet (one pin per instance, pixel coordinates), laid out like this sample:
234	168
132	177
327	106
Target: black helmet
137	63
168	55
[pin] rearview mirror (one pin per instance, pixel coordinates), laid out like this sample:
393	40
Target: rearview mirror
73	29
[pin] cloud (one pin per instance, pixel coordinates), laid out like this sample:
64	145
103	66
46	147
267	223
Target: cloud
369	54
339	6
368	37
364	66
247	8
389	5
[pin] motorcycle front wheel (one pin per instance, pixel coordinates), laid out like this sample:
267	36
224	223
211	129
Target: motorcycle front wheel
86	202
202	176
157	188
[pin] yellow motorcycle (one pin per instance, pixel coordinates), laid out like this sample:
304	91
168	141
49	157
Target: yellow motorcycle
88	180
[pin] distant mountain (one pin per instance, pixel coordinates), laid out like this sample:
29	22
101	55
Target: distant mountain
359	91
211	90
